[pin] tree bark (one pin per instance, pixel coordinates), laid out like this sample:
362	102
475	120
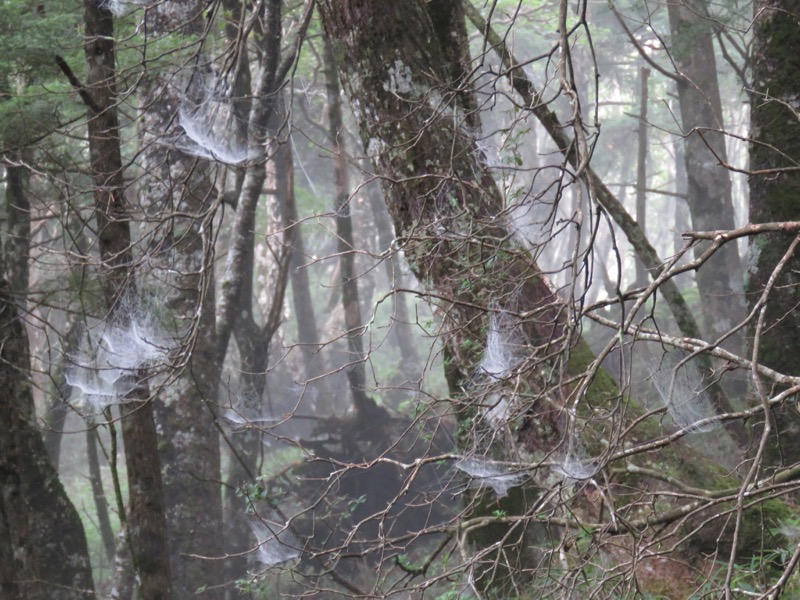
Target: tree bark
33	503
446	208
709	185
18	240
449	218
641	168
775	196
177	199
146	514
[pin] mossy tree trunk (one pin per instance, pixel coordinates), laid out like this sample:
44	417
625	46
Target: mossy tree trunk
775	196
418	126
417	123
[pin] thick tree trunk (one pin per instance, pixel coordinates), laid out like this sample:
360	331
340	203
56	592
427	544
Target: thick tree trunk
775	196
446	209
33	504
450	220
709	190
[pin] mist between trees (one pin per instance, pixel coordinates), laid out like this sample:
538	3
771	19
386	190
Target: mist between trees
425	299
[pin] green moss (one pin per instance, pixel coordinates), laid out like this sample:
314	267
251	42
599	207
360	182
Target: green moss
603	388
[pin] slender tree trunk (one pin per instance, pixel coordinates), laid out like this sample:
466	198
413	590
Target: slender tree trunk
402	328
709	188
682	216
98	495
641	168
356	373
146	514
235	310
58	406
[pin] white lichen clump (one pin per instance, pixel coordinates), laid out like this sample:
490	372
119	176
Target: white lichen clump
400	81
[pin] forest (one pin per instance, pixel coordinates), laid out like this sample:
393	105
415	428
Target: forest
417	299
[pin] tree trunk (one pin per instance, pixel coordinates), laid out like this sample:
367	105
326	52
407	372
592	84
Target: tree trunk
710	200
445	203
18	240
402	327
98	495
33	503
356	373
775	196
146	523
449	219
642	278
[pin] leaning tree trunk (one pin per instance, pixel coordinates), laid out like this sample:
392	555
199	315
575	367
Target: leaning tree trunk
446	209
417	125
774	197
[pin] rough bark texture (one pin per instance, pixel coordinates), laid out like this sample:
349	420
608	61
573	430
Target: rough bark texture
33	504
18	240
710	200
177	199
775	196
447	211
449	218
146	516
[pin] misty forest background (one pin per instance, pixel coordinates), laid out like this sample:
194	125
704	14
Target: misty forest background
376	299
